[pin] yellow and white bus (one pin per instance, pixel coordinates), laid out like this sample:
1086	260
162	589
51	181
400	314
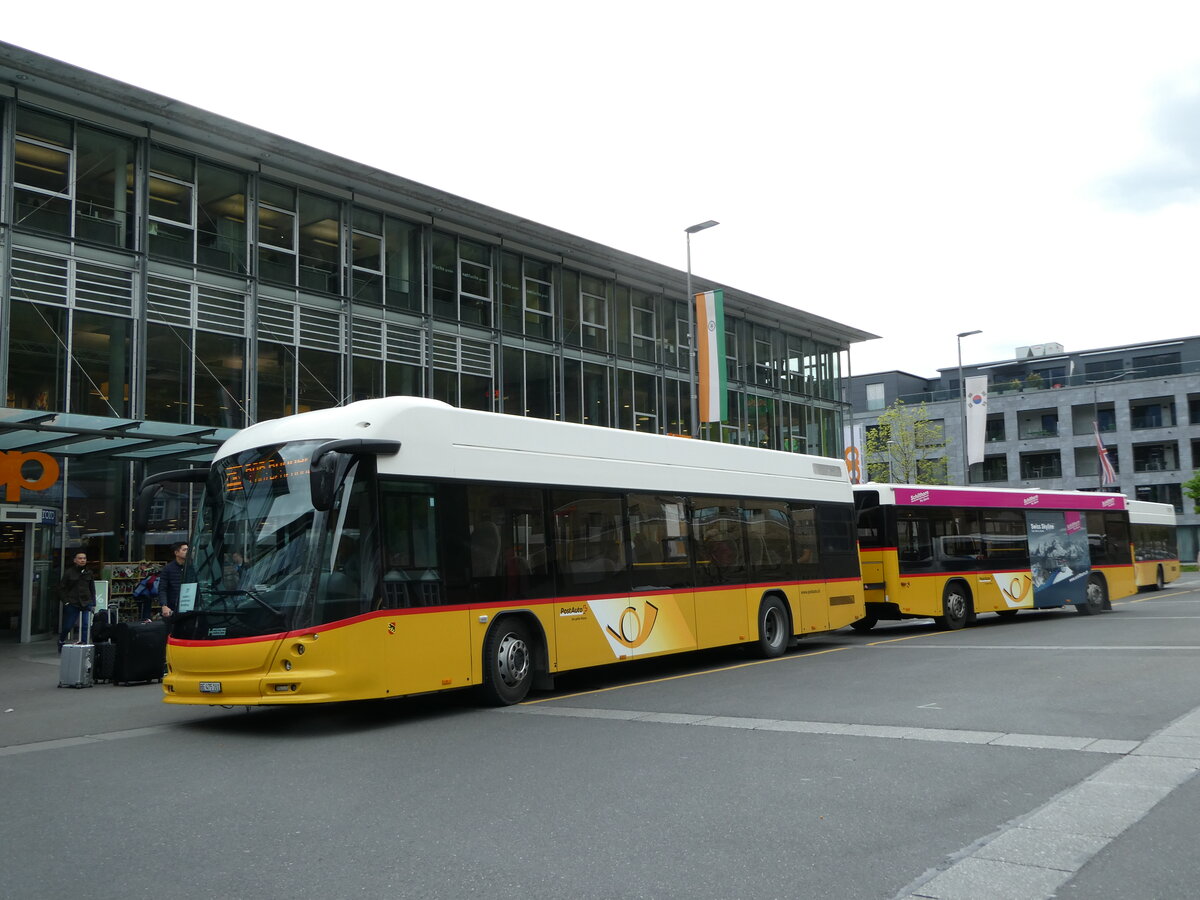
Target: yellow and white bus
950	553
401	546
1155	546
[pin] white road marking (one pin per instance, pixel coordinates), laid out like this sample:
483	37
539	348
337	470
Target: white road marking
1034	855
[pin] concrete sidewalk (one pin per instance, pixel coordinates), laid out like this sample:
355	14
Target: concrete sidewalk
34	708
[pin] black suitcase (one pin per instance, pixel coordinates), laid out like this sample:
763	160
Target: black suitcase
102	625
141	652
105	661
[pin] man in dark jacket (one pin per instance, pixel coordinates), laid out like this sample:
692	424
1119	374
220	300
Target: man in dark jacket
170	579
77	590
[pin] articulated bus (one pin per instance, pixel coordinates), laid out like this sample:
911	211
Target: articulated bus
402	546
950	553
1155	547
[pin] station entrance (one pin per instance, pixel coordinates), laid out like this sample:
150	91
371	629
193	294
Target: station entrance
28	581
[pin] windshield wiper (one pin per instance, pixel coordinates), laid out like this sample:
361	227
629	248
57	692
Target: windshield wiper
252	594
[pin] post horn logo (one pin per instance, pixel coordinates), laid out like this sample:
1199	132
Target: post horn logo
631	631
1017	590
12	465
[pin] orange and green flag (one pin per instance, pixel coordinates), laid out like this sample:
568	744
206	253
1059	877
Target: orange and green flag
713	393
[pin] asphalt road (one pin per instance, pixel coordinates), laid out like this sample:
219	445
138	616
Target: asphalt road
1048	755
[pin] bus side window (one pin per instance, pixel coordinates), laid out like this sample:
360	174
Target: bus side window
408	514
507	542
769	538
915	545
589	542
718	531
658	529
838	537
804	527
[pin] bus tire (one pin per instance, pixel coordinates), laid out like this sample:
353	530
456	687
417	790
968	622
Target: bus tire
507	662
957	608
774	628
1159	581
865	624
1097	597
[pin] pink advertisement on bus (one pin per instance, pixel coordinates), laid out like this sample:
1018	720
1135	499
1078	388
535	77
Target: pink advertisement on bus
958	496
1059	558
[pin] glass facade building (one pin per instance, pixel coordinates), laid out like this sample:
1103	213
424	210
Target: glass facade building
168	276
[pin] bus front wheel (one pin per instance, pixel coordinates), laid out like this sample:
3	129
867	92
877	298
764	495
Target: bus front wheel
956	607
1097	597
507	663
773	630
1159	581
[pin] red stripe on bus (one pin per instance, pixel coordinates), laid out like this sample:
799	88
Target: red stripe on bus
468	607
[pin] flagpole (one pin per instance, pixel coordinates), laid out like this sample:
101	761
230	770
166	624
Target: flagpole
692	336
962	398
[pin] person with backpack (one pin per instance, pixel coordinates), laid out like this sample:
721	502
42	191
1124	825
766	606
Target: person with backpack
146	594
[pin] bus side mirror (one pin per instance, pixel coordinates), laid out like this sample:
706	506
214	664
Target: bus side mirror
322	480
153	484
324	473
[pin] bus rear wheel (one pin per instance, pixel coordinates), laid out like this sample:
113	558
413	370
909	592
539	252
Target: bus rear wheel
507	663
773	629
957	609
1159	581
1097	597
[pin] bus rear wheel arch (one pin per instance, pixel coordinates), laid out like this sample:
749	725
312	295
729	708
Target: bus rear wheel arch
510	658
958	608
774	627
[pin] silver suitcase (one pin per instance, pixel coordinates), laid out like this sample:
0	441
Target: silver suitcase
75	664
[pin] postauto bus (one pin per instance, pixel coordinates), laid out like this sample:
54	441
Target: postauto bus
1155	544
400	546
951	553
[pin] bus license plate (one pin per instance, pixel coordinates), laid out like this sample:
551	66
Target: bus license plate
210	687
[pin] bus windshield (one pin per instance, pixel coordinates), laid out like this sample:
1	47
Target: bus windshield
254	553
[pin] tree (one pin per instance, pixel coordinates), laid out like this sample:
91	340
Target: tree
1191	487
906	447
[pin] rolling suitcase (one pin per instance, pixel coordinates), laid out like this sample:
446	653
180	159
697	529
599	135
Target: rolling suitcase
141	652
104	661
75	663
105	656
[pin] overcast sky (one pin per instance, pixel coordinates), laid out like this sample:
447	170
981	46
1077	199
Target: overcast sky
913	169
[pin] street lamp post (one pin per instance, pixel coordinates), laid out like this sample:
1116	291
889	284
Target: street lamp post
691	308
962	392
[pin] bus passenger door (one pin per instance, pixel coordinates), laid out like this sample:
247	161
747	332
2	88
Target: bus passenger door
429	633
812	606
